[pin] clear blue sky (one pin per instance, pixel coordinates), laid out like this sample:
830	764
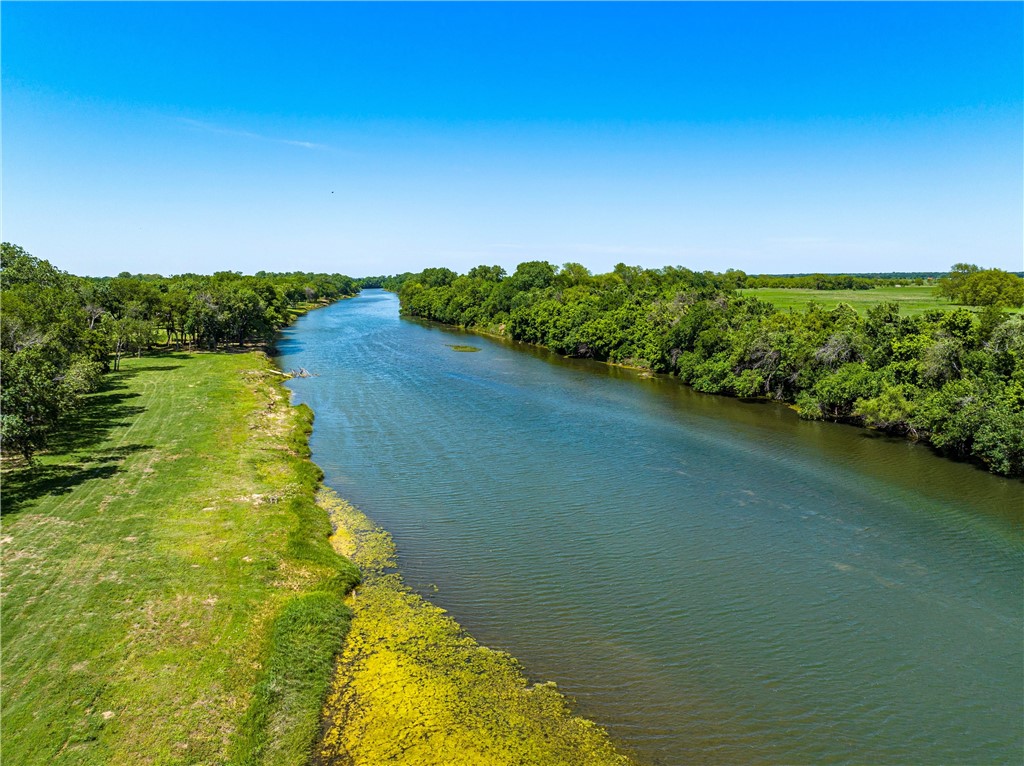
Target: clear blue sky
380	138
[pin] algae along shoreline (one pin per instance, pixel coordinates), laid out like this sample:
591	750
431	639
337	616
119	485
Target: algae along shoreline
412	687
173	592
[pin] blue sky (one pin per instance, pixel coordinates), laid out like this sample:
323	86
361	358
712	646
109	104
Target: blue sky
385	137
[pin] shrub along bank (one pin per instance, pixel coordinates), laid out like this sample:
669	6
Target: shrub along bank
952	378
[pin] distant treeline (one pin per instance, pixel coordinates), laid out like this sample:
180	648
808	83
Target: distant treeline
819	281
952	378
1008	280
391	283
59	333
882	278
736	279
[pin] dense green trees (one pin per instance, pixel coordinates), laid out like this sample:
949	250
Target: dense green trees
973	286
59	332
809	281
206	311
49	352
954	379
392	283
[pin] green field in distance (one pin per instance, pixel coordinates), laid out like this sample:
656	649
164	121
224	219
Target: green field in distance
912	299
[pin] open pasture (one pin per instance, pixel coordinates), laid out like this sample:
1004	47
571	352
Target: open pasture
912	299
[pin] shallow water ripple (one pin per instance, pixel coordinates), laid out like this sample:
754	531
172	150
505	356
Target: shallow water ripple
714	581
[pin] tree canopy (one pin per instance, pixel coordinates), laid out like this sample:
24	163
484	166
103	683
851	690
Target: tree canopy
952	378
59	333
972	286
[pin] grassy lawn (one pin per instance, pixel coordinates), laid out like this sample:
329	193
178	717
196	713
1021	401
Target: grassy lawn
912	299
168	591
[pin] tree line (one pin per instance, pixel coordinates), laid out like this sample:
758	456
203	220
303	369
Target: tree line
812	281
60	333
392	283
953	378
965	283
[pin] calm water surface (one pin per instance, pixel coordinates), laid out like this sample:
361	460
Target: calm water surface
713	581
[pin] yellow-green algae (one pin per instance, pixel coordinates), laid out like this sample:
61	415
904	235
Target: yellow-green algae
413	688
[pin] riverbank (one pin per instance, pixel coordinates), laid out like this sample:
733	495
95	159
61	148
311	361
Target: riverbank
169	594
413	688
1004	448
715	581
947	378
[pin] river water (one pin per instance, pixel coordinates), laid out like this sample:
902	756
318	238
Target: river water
714	581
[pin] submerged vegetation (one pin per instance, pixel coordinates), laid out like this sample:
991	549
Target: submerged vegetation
951	377
412	688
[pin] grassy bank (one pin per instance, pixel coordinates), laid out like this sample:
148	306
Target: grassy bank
412	688
169	594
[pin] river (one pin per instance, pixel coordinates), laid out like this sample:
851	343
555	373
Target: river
714	581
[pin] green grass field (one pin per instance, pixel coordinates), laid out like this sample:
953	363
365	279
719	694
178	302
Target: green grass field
168	591
912	299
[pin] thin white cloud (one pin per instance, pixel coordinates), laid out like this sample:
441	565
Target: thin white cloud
619	249
303	144
208	128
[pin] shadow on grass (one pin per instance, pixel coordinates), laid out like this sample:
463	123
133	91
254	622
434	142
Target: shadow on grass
156	361
27	484
75	454
99	415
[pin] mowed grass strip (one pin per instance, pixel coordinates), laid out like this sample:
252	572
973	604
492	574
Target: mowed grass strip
912	299
168	591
